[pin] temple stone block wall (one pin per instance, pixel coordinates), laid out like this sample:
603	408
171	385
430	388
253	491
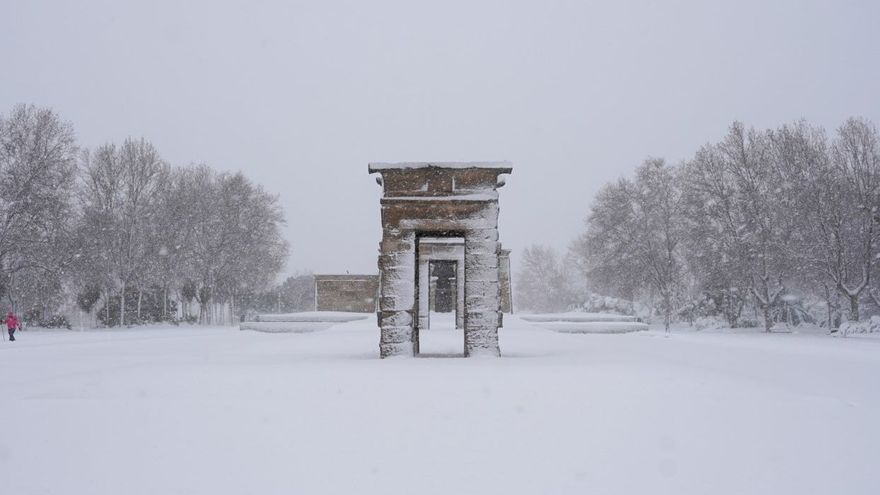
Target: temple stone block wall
352	293
439	200
504	280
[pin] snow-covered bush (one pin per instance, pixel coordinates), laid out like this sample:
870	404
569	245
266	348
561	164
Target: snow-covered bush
54	321
597	303
789	309
871	325
817	309
710	323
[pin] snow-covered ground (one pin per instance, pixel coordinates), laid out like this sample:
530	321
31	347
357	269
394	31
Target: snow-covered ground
218	410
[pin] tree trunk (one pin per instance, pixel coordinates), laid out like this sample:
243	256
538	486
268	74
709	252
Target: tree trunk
767	322
828	306
854	307
122	307
667	314
830	323
232	310
140	297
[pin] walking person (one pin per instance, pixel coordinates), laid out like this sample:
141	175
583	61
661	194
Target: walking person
11	325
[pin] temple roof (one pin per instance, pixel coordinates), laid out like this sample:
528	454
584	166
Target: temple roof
502	167
343	277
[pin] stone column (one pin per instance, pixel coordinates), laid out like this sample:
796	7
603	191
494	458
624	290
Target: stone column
397	295
459	293
424	294
481	288
504	280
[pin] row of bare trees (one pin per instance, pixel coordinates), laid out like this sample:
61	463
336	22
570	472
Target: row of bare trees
119	225
761	218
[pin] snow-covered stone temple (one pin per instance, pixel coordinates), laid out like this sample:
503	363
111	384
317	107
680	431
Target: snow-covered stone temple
440	227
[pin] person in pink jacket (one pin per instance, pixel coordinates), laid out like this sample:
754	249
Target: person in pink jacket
11	325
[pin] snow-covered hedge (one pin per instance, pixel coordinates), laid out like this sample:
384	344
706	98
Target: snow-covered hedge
596	303
710	323
871	325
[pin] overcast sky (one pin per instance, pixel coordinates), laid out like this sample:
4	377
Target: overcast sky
301	96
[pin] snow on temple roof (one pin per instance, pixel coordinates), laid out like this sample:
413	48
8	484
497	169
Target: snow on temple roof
482	196
346	276
506	167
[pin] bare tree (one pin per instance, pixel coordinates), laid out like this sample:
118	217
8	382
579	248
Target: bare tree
544	282
139	230
37	165
659	211
849	223
801	156
120	196
606	252
634	236
735	193
237	242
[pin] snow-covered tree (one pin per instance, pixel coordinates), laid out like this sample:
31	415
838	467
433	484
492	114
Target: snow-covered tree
605	252
236	238
37	169
800	153
121	204
545	281
764	218
849	224
634	236
736	200
128	229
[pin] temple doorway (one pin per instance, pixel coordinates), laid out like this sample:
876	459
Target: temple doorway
441	336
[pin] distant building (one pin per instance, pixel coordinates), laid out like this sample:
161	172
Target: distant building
352	293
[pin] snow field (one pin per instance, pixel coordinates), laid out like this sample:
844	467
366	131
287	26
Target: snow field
218	410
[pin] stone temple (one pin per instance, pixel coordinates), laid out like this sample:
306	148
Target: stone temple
440	226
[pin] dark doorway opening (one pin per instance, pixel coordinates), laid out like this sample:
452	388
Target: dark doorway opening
442	290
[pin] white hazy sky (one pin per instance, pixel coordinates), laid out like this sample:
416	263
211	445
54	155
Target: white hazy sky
301	95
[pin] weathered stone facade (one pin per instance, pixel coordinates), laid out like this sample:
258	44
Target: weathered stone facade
352	293
439	200
504	280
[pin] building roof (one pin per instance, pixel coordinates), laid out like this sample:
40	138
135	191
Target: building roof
503	167
350	277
